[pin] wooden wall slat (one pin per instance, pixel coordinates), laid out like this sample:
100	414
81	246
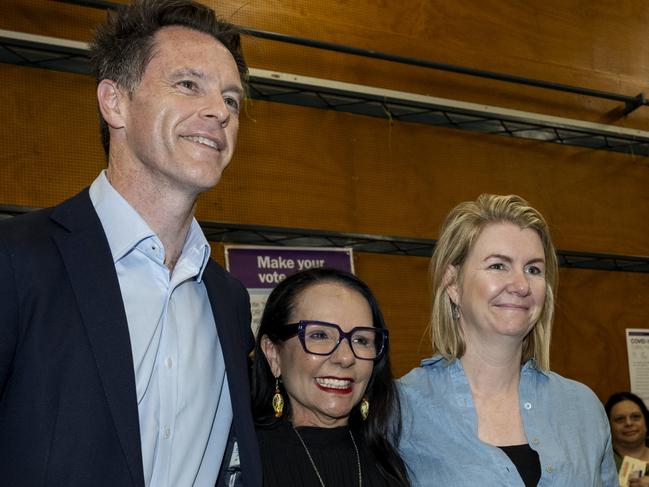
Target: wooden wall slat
593	310
49	144
359	174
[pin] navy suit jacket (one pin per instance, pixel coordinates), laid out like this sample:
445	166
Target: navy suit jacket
68	410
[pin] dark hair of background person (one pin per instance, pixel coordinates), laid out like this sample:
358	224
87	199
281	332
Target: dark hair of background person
384	420
626	396
124	44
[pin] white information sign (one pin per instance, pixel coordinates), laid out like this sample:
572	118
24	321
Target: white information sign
637	346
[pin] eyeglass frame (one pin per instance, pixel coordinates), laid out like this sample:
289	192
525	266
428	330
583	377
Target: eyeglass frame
289	330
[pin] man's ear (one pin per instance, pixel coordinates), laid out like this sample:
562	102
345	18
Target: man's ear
451	284
111	100
271	352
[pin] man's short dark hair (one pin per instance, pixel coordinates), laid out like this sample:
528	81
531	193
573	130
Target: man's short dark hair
123	45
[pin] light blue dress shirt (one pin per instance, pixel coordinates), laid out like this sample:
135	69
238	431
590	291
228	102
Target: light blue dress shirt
182	392
563	420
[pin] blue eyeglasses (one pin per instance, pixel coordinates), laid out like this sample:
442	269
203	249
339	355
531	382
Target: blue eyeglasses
322	338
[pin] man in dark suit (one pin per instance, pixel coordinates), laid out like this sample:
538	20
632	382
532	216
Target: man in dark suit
123	347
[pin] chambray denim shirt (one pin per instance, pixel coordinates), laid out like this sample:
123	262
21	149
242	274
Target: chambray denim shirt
183	397
563	420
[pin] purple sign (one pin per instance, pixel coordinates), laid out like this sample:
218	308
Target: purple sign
265	267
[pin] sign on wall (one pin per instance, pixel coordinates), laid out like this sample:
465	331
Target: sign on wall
637	346
261	268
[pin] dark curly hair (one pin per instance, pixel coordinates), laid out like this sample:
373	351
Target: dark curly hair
124	44
383	426
626	396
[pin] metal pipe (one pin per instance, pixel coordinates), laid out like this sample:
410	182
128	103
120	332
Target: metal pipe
630	102
330	46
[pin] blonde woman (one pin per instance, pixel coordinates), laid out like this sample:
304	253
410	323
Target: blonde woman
485	409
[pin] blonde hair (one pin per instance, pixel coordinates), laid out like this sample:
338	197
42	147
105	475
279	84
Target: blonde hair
460	230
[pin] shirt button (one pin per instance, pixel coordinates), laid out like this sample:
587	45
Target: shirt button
168	362
167	433
549	469
535	441
527	405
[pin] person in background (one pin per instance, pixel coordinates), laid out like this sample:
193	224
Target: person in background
123	346
629	417
485	409
324	400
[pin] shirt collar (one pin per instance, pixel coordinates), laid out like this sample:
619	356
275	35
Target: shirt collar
125	228
197	248
532	367
435	360
438	361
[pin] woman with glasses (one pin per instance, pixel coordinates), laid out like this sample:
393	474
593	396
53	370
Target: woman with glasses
323	396
485	409
629	417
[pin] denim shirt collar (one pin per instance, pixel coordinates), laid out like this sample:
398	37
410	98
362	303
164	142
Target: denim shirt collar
438	360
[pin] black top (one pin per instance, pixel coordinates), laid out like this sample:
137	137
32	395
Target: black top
286	463
526	461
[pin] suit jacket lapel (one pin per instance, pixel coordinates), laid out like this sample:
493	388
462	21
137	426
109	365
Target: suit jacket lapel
234	336
88	260
226	322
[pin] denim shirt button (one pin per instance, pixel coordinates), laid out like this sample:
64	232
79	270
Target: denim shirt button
535	441
527	405
549	469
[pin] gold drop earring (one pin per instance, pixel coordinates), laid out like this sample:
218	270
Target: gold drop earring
278	400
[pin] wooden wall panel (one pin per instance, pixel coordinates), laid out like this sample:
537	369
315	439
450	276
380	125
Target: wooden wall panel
353	173
310	168
593	310
588	43
50	18
347	172
49	145
402	291
579	43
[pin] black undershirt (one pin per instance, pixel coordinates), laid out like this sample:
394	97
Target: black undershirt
286	464
526	462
